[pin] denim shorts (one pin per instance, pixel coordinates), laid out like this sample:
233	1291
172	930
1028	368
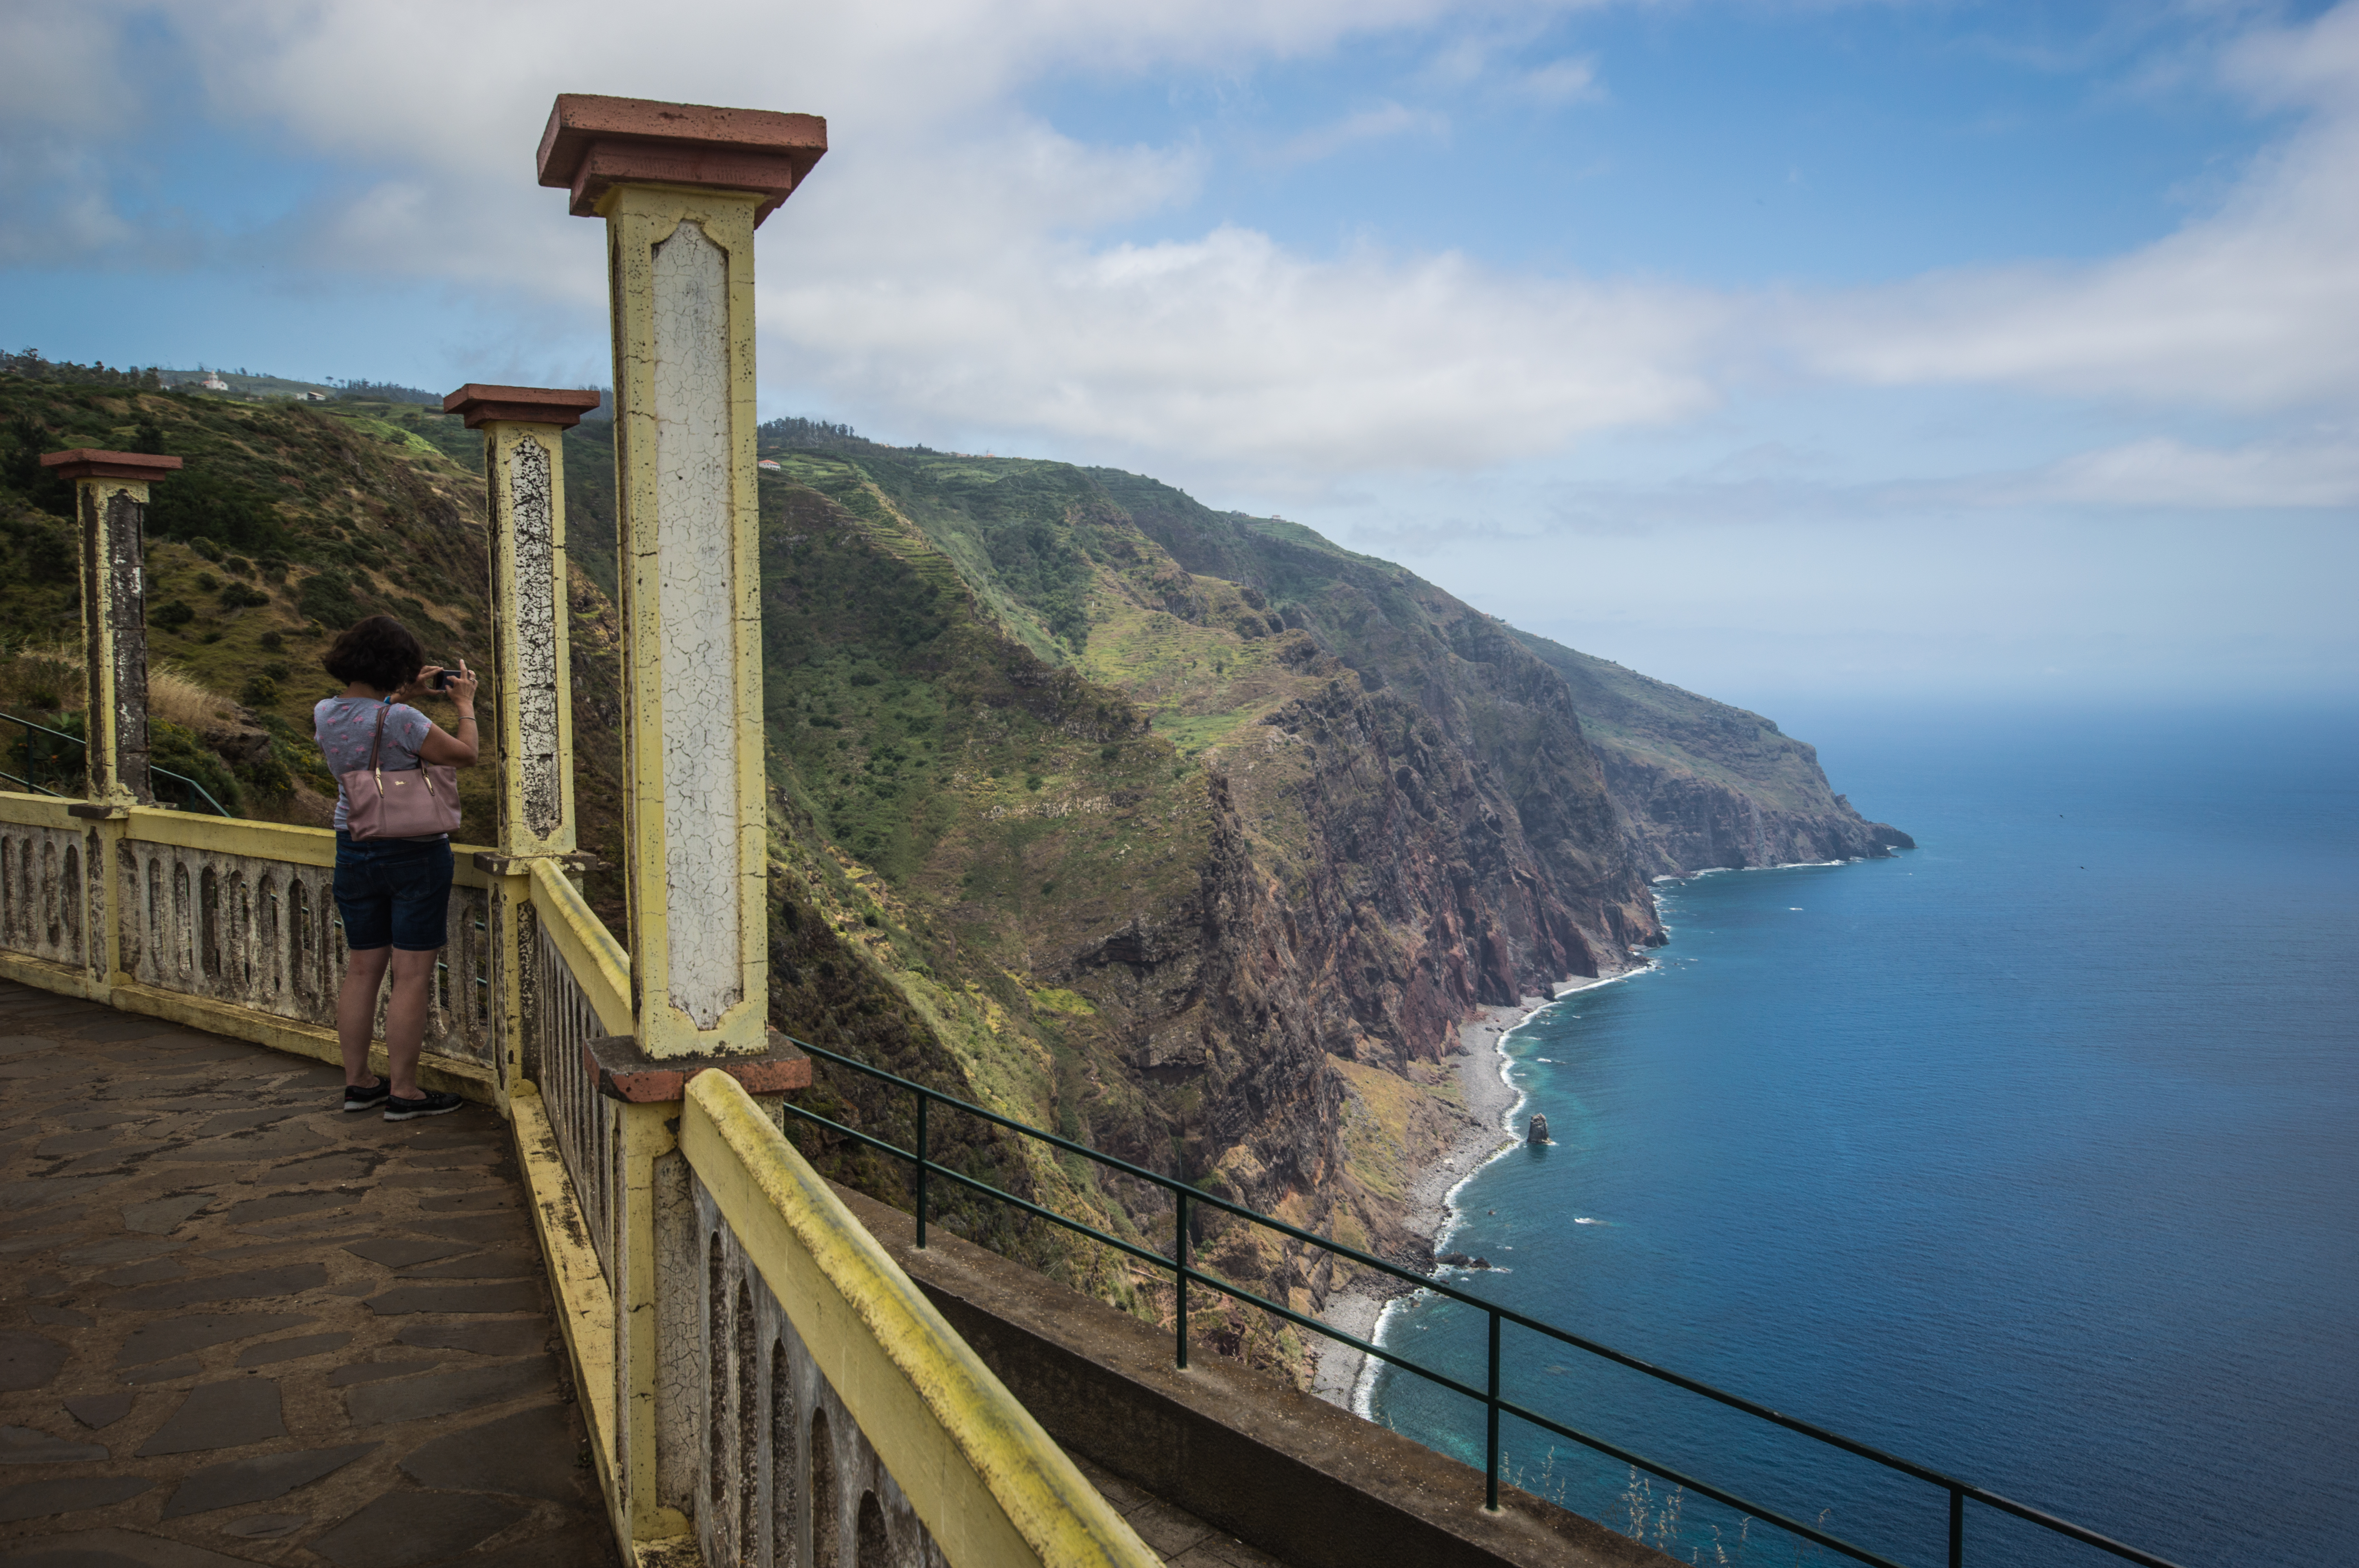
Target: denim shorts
394	892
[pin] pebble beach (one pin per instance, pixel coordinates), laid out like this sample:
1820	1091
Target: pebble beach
1494	1122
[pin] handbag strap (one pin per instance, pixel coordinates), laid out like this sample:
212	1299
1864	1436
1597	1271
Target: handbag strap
378	739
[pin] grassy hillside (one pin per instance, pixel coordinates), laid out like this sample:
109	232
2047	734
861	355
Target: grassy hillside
1676	729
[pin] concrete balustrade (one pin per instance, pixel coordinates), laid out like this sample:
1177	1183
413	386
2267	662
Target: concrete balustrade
222	925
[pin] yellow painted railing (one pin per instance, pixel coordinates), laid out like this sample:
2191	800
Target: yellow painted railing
807	1317
579	990
219	924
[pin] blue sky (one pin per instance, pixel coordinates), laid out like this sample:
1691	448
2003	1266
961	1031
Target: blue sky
1880	351
1725	146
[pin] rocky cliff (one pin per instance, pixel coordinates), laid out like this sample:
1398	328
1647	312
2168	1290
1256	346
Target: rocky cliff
1200	869
1700	784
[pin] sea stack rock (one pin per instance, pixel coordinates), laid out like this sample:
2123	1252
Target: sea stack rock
1538	1133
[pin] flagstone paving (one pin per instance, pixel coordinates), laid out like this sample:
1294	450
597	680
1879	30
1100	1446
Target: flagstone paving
238	1325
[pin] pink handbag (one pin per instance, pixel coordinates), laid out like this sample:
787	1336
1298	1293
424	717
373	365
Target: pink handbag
409	803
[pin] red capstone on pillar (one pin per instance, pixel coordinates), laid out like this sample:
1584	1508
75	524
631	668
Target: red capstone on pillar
562	406
89	463
594	142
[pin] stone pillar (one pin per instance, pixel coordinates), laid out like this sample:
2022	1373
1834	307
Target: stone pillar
681	188
529	685
111	499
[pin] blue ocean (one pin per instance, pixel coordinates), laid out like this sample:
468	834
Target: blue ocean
2031	1156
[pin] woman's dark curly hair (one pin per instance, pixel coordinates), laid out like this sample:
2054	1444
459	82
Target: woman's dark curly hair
378	651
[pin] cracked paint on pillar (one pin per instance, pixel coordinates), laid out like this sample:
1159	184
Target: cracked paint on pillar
696	603
115	629
531	503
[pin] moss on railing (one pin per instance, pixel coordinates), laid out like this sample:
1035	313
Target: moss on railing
981	1473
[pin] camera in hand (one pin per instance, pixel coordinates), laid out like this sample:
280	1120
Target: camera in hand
442	681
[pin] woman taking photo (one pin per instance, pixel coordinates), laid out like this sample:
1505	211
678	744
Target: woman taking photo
394	893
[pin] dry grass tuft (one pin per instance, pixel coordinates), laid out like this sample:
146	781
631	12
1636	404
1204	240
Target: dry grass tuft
48	677
176	694
60	655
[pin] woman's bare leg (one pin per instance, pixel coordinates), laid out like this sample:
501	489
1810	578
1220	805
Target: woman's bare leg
356	1010
405	1017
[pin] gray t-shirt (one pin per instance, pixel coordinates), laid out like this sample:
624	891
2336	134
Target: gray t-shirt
344	725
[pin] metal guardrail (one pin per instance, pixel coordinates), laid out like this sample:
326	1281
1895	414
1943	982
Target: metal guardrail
1495	1404
196	791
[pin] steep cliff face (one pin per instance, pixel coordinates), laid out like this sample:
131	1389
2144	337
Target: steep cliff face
1701	784
1535	809
1264	840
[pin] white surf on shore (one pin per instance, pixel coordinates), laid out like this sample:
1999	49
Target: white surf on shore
1364	1383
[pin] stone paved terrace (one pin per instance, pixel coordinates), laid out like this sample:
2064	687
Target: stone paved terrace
238	1325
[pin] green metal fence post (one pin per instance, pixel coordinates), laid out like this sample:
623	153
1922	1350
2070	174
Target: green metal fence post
1181	1252
1491	1423
923	1099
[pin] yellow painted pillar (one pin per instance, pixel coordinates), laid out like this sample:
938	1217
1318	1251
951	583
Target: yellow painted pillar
111	501
682	187
683	284
524	474
647	1132
530	683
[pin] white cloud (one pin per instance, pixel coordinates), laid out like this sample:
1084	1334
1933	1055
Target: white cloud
1558	81
941	270
62	188
57	65
356	74
1376	123
63	102
2255	306
1254	360
2164	475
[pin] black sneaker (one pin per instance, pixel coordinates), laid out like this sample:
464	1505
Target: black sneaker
358	1099
429	1104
